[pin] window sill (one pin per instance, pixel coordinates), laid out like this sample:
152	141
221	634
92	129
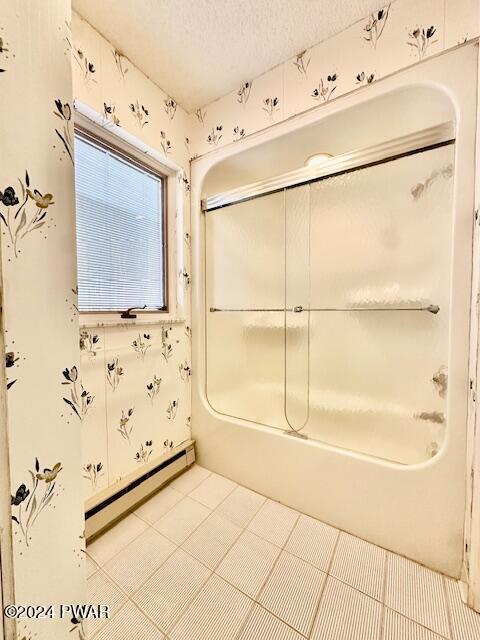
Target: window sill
96	321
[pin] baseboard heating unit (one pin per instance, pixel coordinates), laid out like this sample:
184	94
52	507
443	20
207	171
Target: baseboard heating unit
103	509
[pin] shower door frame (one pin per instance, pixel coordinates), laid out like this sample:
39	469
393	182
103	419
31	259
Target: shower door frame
376	518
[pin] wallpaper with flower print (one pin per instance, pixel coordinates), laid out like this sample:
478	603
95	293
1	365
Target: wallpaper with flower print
134	393
37	232
60	403
24	213
135	414
398	35
28	503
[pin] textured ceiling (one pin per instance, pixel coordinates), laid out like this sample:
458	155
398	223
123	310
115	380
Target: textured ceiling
199	50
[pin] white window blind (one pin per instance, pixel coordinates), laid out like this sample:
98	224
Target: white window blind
120	245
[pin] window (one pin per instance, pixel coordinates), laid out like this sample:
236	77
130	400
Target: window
121	241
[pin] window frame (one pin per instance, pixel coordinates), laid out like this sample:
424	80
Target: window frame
133	150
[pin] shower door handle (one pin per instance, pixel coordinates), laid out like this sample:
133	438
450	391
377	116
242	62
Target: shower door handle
298	309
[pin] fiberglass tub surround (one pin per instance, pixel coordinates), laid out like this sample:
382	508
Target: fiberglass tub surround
376	382
334	299
358	366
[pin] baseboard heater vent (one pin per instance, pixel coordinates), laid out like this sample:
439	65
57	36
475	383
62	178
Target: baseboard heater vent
103	510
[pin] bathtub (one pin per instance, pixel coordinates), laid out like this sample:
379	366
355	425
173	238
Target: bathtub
390	489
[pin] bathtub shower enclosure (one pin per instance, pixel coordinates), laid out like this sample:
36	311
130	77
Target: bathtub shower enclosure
335	305
333	296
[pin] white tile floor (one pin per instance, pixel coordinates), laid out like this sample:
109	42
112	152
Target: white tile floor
206	559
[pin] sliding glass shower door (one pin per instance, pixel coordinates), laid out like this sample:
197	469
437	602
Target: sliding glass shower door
245	288
328	306
382	257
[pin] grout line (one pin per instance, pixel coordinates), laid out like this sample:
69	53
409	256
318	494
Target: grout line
230	494
146	521
179	544
267	578
220	561
176	619
101	627
156	571
124	546
279	549
317	608
282	549
223	499
418	624
278	618
245	527
255	600
146	616
193	530
239	589
385	577
200	523
185	607
447	606
383	595
153	495
385	607
213	572
91	560
242	531
250	611
146	579
129	599
184	472
190	602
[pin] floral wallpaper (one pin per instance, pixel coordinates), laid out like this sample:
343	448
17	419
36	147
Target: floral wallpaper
132	392
139	377
37	234
92	404
396	36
